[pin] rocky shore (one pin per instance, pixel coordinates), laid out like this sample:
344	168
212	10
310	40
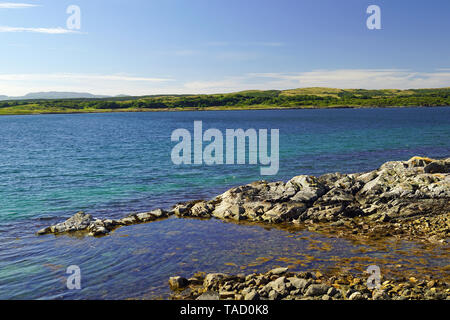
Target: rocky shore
280	284
407	200
404	199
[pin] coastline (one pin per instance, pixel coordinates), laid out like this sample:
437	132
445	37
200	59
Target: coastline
300	98
237	108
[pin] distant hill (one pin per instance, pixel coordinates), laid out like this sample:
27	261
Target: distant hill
54	95
305	98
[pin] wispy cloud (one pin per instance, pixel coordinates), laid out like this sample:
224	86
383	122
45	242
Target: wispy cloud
13	5
343	78
16	84
58	30
113	84
225	85
361	78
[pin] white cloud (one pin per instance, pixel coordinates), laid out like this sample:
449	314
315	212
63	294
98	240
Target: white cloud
58	30
359	78
226	85
343	78
113	84
13	5
109	84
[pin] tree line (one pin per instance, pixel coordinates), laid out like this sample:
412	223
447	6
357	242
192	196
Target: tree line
359	97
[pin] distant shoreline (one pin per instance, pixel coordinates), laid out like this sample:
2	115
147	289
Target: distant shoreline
43	112
302	98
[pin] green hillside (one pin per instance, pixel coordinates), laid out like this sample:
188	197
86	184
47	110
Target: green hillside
251	99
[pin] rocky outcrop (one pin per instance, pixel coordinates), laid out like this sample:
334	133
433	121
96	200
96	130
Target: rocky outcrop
96	227
280	284
80	221
398	191
411	198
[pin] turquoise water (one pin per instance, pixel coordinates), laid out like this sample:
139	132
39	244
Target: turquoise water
113	164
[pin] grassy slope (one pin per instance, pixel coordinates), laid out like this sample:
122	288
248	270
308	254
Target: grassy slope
251	99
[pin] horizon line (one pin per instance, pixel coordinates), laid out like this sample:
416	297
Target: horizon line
105	96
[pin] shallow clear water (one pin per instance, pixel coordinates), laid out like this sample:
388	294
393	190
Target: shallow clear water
112	164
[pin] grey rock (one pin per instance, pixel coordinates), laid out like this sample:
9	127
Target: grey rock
98	231
278	271
252	295
159	213
213	278
177	283
226	294
195	281
278	285
145	216
202	209
79	221
317	290
332	291
209	295
298	283
273	295
181	209
129	220
150	216
356	296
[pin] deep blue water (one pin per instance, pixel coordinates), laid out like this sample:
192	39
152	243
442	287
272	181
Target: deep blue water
112	164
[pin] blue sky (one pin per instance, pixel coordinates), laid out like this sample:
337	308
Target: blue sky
201	46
